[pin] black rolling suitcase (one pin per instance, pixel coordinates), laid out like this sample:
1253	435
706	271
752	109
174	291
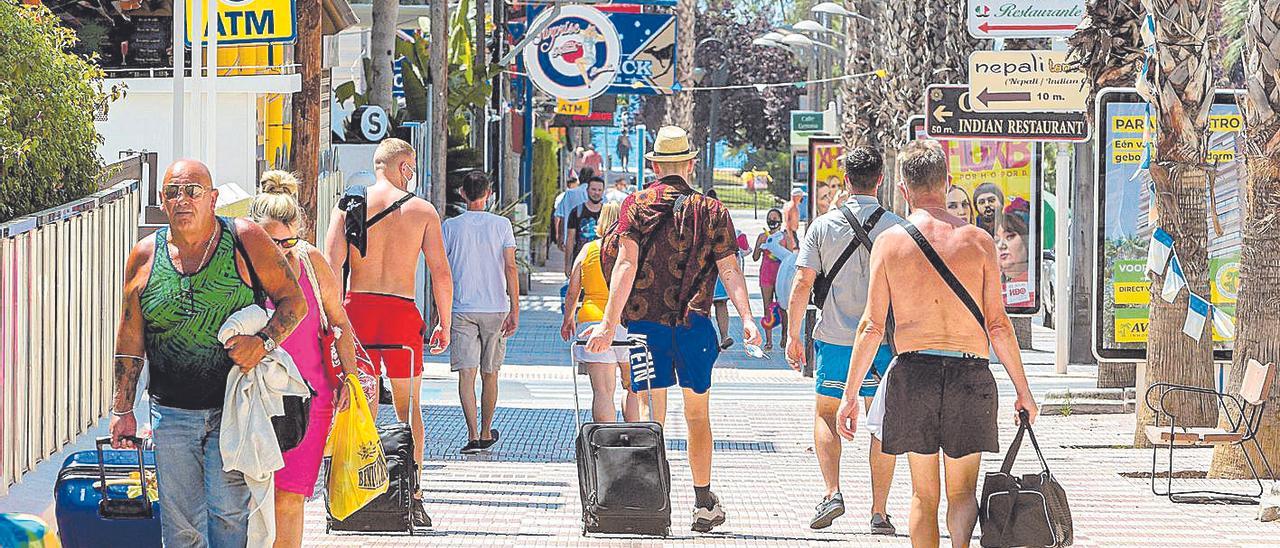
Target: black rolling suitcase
390	512
623	475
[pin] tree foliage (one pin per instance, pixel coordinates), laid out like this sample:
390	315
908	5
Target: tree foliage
48	98
747	116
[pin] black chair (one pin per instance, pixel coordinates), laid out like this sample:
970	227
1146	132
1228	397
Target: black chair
1244	421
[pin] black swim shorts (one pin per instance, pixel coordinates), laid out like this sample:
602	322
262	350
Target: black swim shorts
939	402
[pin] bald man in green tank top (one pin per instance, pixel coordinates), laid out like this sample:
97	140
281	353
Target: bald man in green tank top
181	284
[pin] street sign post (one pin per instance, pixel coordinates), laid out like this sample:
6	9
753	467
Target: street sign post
1037	81
1024	18
949	114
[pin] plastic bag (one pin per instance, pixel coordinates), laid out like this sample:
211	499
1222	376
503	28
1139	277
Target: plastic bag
358	471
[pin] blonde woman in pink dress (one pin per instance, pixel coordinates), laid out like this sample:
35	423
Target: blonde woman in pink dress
278	212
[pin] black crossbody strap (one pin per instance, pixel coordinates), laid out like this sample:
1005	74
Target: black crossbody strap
947	276
389	210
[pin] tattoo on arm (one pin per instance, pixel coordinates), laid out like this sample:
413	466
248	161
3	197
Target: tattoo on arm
127	369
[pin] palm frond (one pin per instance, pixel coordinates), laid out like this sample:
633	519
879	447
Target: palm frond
1234	15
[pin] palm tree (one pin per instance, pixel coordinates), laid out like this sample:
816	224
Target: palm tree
382	41
1179	85
1256	318
1108	46
680	107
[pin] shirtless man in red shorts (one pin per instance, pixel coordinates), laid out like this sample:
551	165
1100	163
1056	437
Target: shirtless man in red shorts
380	293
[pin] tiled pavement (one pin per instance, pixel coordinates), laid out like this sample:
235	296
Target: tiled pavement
524	492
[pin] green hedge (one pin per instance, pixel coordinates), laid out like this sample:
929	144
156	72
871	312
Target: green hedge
546	179
48	97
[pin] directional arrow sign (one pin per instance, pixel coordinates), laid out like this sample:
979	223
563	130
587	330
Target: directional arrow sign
1037	81
950	115
1024	18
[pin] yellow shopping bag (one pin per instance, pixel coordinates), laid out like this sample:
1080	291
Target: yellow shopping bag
358	471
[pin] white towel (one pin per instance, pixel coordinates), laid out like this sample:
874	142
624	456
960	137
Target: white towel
248	441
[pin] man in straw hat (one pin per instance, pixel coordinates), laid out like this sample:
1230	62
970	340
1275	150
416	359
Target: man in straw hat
662	260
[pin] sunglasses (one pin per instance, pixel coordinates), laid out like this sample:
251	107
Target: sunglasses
287	243
193	191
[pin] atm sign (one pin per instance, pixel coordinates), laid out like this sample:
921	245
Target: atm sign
248	21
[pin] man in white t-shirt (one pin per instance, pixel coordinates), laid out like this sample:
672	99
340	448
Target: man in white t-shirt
481	248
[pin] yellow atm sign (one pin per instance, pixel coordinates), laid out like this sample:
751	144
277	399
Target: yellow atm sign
248	21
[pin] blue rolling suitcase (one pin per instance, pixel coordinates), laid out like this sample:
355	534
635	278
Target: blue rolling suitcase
86	518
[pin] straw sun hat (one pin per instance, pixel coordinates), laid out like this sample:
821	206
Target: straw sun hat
671	145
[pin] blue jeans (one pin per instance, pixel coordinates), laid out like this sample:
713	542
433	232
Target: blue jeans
200	505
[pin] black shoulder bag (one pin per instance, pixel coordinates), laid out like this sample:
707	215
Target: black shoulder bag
1024	511
292	425
822	282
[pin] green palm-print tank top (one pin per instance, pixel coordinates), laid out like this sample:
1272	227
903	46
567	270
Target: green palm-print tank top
182	314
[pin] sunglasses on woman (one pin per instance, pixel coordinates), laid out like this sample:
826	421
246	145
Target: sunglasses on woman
287	243
193	191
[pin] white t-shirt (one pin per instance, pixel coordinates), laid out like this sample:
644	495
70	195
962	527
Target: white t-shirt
475	244
615	195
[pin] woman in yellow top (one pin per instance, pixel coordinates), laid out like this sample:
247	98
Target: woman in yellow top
587	278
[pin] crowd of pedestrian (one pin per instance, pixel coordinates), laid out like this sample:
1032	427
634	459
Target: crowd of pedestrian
650	266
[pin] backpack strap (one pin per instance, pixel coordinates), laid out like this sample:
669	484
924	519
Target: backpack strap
849	249
947	276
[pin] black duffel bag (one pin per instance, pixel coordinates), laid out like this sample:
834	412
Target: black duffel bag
1030	510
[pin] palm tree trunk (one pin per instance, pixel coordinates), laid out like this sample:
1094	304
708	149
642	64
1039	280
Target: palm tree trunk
1181	92
382	45
1257	318
680	107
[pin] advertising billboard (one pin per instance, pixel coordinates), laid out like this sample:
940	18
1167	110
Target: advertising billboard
996	186
826	176
1122	286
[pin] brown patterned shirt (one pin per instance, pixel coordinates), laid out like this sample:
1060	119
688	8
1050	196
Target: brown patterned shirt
681	234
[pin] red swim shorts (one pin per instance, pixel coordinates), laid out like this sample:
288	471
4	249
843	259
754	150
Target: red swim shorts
388	320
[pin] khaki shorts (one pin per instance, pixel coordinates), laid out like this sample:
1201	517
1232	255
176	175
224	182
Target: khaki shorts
476	340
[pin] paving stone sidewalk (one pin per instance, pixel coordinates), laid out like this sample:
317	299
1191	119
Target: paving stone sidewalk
524	492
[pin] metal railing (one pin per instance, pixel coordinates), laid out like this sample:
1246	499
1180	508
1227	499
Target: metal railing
61	277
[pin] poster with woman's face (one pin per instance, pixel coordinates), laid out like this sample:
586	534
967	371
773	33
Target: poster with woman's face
994	185
826	175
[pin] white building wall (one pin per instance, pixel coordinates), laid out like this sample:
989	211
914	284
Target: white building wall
143	119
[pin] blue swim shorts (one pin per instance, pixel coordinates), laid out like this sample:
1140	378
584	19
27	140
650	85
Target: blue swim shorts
831	372
683	354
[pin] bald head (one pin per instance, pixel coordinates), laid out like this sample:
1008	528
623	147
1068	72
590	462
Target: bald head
188	171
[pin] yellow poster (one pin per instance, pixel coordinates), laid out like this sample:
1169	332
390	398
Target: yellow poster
826	175
991	187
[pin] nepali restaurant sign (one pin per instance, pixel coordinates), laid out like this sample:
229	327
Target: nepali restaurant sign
1024	18
1025	81
247	22
949	114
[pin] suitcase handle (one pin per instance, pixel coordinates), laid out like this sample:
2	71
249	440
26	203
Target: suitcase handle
124	508
629	343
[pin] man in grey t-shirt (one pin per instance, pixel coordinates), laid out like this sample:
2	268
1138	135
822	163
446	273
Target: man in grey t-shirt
828	237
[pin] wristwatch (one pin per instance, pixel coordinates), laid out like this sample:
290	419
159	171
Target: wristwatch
267	343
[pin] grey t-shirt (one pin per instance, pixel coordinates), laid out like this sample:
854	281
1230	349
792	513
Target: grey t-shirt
826	239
